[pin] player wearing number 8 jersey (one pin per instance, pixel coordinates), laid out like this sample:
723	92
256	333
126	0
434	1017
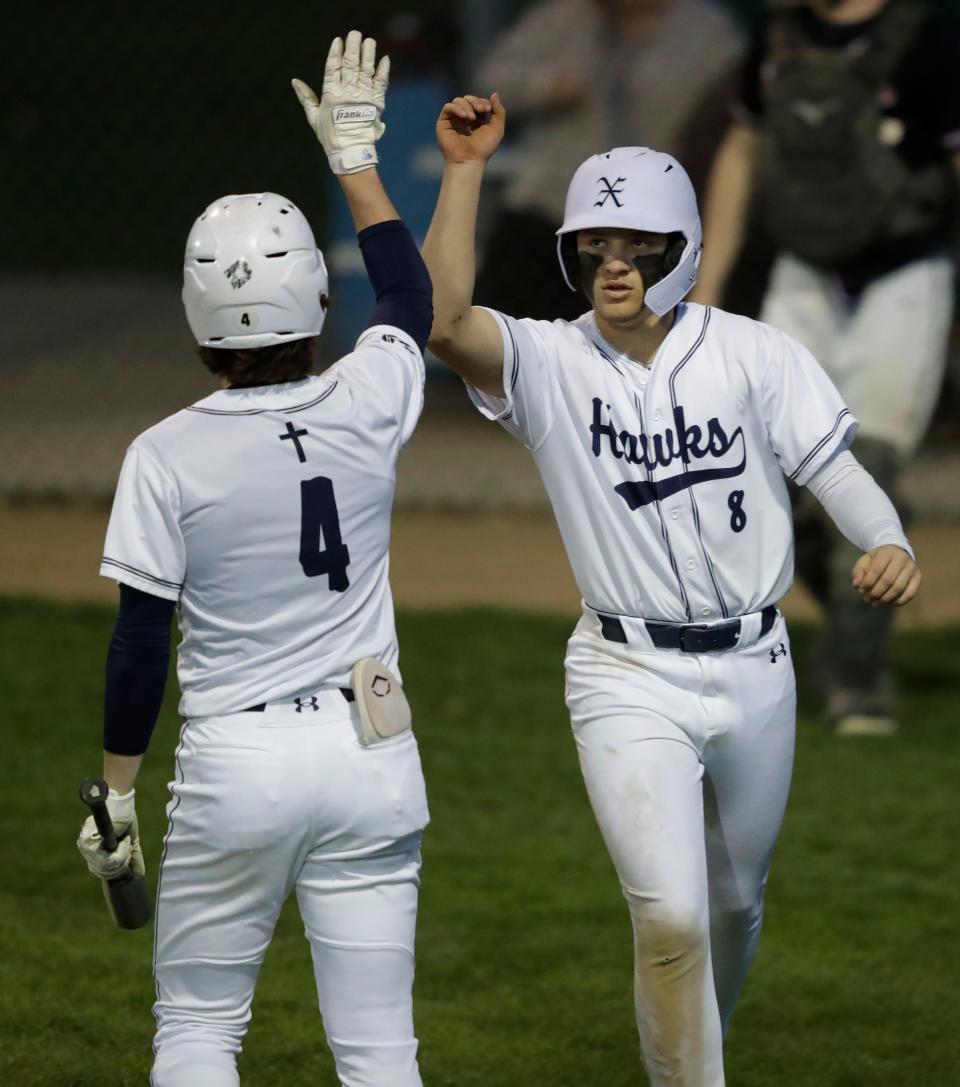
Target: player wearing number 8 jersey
663	432
262	513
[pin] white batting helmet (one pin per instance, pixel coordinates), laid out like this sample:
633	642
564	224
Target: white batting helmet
636	189
252	274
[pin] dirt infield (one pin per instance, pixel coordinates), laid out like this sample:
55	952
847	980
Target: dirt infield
439	560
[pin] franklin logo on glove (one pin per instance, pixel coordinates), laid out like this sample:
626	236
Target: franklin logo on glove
354	113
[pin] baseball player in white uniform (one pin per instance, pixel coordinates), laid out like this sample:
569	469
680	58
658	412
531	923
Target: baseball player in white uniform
663	432
262	513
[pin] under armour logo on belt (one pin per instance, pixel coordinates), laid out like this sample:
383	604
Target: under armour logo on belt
774	653
609	191
307	703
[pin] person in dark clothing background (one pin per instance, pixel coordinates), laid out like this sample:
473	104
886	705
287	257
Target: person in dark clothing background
845	151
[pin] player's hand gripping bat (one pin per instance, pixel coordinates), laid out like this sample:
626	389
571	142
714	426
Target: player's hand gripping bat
126	894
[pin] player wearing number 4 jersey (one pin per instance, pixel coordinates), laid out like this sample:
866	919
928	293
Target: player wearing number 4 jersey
263	514
663	432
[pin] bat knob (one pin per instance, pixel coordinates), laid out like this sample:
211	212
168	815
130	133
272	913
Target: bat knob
94	792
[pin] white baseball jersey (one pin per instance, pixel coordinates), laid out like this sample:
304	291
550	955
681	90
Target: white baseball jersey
265	512
667	480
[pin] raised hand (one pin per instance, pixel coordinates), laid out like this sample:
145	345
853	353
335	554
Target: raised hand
346	118
470	128
886	575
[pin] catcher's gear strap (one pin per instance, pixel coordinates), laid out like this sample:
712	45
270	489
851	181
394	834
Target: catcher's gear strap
399	278
384	709
136	673
890	36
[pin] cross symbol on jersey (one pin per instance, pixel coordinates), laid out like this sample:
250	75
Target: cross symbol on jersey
295	436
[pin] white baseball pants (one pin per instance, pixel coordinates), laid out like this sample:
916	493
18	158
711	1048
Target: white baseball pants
687	761
885	351
265	804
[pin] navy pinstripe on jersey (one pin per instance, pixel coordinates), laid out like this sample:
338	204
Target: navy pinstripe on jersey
667	477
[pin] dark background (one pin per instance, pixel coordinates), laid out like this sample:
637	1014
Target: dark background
121	122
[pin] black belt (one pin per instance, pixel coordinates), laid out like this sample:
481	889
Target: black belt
687	637
345	691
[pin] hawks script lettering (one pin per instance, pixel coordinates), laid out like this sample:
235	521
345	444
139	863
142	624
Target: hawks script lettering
682	442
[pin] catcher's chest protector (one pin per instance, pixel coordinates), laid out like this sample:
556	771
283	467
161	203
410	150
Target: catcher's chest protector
831	181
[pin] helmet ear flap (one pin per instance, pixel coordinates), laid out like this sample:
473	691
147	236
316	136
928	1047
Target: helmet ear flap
569	261
672	255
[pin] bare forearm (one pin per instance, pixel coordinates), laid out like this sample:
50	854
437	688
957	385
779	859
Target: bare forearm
367	199
728	198
120	771
450	246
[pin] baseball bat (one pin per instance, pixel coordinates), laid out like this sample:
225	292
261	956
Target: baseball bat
127	895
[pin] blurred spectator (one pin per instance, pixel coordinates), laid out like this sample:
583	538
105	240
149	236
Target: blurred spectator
596	74
847	153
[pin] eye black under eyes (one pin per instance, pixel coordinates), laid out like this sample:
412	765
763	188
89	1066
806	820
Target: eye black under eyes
637	243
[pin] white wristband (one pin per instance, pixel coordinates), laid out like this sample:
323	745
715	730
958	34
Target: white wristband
353	159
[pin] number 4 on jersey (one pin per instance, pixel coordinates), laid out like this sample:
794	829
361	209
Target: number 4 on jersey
320	523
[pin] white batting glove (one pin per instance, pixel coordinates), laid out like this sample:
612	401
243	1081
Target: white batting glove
346	119
127	854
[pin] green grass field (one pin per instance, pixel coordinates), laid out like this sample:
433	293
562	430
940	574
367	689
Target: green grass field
524	955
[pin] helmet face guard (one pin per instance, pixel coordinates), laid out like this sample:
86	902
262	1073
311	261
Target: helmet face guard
252	274
634	188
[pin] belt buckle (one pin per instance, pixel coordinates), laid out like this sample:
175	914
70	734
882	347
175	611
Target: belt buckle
691	629
706	638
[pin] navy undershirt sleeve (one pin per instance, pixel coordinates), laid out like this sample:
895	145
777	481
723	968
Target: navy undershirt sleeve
136	673
399	278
